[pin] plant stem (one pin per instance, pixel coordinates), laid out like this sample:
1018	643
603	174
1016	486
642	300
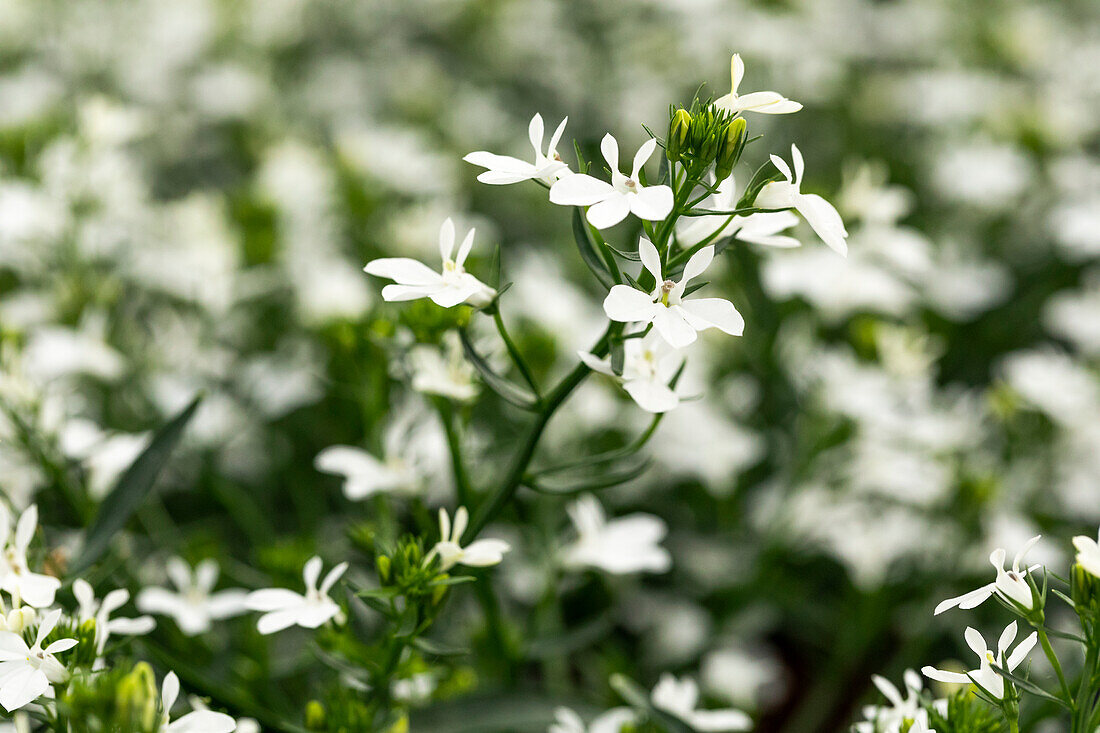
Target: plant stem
454	445
517	357
1049	651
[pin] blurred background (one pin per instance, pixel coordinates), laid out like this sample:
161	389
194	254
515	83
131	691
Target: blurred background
190	188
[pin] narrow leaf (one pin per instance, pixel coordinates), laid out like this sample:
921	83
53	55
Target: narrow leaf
507	391
588	254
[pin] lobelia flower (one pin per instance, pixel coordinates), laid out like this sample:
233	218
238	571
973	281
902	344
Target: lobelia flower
612	721
478	554
91	609
985	676
1088	554
413	279
762	228
284	608
676	320
611	202
193	605
198	721
27	673
16	578
364	474
504	169
649	364
822	217
769	103
621	546
444	372
1010	584
680	697
901	710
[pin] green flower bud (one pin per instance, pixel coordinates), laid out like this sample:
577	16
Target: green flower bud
1084	591
708	151
729	149
86	647
316	719
678	131
384	565
137	700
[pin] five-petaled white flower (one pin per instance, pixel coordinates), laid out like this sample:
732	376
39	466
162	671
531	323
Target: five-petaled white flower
612	721
901	710
193	605
677	320
761	228
769	103
629	544
1011	584
27	673
364	475
649	364
985	676
611	202
680	697
198	721
503	169
478	554
1088	554
413	279
822	216
91	609
16	578
284	608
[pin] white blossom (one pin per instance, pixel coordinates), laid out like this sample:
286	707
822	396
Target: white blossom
649	363
364	475
612	721
985	676
1088	554
193	605
16	578
27	673
444	372
822	217
1011	584
611	202
284	608
762	228
100	612
198	721
681	697
770	103
503	169
449	549
620	546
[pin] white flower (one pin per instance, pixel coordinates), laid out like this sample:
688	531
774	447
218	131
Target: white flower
448	288
621	546
27	673
762	228
612	721
91	609
677	320
199	721
193	606
1010	584
901	710
1088	554
16	578
611	202
478	554
680	697
985	676
284	608
649	363
445	373
822	217
504	169
769	103
364	474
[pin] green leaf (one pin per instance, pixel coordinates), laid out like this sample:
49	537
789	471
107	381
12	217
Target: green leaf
693	287
508	391
438	649
132	489
588	254
577	482
759	179
632	256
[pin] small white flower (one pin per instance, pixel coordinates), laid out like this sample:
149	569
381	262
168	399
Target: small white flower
901	709
27	673
478	554
503	169
1088	554
677	320
198	721
611	202
443	372
1010	584
680	697
985	676
649	364
761	228
284	608
16	578
413	279
621	546
612	721
91	609
822	217
769	103
193	605
365	475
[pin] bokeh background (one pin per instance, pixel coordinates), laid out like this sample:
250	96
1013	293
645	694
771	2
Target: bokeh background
190	188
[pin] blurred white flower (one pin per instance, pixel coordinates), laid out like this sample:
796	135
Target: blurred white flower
818	213
445	373
284	608
193	605
901	709
449	549
100	612
28	672
16	578
503	169
414	279
620	546
611	202
1088	554
677	320
1011	584
680	697
612	721
985	676
105	456
364	474
649	364
763	228
198	721
770	103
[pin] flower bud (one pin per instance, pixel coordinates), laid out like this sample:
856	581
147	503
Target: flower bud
729	149
137	700
384	565
708	151
87	648
18	620
316	719
678	130
1084	591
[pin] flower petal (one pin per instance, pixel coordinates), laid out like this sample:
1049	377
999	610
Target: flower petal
652	203
670	324
610	211
625	304
403	270
702	313
580	189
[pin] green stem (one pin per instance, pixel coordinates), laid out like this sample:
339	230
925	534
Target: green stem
454	446
1049	651
517	357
